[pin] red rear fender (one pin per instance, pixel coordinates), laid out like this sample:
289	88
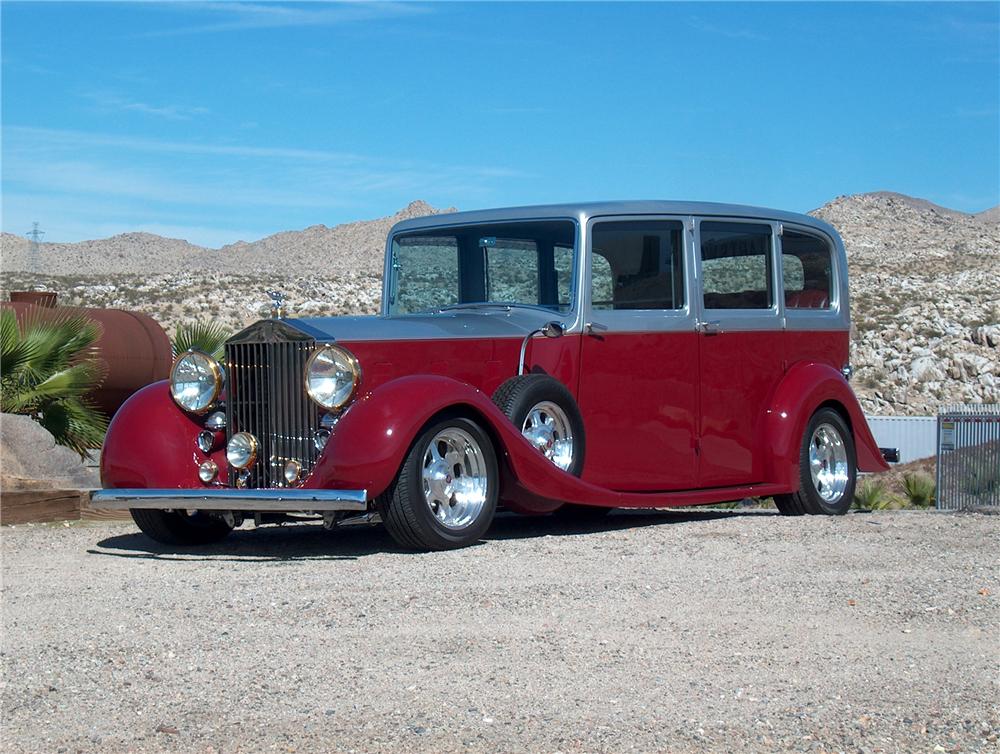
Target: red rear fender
804	389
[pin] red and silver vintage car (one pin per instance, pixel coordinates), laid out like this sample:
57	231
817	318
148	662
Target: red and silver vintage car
571	358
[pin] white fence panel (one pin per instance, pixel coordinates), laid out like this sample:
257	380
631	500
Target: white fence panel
915	436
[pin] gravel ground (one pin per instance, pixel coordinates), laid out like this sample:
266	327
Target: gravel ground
674	632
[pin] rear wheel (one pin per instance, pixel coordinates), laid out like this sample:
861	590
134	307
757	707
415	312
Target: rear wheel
827	468
446	491
180	527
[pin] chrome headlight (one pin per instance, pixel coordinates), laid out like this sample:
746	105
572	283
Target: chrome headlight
196	381
241	451
332	374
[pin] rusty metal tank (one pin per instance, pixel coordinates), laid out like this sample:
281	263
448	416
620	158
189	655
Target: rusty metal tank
133	346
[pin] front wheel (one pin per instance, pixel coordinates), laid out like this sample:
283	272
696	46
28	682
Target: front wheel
445	494
180	527
828	469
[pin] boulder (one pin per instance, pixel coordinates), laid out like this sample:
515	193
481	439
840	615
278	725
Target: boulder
31	459
987	335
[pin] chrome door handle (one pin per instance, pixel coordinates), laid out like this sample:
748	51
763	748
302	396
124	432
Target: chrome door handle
709	328
593	328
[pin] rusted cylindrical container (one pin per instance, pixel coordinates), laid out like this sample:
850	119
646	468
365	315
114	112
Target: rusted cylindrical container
38	298
133	346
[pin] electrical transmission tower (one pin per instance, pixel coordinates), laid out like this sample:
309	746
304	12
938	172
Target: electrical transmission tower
35	234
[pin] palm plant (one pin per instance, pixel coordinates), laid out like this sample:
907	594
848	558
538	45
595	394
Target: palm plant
870	494
919	488
48	365
206	337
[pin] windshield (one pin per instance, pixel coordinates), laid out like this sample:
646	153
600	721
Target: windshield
524	263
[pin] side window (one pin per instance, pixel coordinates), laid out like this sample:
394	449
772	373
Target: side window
562	257
736	265
602	282
426	273
637	265
512	271
806	265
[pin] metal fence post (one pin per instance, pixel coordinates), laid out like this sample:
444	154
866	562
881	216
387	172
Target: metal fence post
968	456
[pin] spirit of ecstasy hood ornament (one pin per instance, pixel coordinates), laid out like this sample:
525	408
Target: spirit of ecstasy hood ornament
277	304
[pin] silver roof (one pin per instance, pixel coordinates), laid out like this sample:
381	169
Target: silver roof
585	210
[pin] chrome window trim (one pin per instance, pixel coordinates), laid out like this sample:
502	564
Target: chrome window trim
639	320
571	319
740	320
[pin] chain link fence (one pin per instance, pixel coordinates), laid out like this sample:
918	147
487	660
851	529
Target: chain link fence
968	456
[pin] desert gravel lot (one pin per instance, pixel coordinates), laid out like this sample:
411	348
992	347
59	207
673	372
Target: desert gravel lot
674	632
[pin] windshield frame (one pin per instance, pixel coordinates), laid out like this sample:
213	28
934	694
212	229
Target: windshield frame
390	273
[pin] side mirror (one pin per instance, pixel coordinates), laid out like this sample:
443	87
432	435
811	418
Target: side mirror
549	330
553	330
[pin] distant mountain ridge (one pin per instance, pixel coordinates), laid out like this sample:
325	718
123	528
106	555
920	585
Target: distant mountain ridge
356	246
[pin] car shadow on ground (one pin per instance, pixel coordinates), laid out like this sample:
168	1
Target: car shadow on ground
512	526
310	541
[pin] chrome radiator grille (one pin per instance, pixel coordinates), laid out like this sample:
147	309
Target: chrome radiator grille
267	398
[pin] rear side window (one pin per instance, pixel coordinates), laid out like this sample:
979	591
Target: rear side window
638	265
736	265
806	265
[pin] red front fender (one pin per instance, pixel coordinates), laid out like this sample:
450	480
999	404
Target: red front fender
371	440
151	444
805	388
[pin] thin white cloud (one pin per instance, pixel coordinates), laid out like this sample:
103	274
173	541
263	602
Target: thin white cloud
141	182
234	16
730	32
69	140
110	101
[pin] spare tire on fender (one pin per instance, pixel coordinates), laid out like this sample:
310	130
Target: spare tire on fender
547	416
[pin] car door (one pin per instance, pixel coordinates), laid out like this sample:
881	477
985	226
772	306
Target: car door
740	346
638	389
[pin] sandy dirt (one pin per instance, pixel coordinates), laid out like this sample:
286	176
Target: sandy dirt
679	632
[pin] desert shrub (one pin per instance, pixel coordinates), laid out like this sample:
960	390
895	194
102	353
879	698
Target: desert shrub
982	479
919	488
871	494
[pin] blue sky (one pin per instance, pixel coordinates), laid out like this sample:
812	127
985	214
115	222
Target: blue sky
222	121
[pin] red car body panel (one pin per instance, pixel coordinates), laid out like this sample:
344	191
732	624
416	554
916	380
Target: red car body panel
151	443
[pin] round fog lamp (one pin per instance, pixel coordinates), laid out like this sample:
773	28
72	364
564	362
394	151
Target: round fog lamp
241	451
293	470
206	441
320	438
208	471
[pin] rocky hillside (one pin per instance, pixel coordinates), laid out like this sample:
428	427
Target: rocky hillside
925	283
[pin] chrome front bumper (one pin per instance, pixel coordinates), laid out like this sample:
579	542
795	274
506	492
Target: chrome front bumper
225	499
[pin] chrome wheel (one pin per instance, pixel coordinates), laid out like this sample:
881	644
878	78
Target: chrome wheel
455	478
547	428
828	463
